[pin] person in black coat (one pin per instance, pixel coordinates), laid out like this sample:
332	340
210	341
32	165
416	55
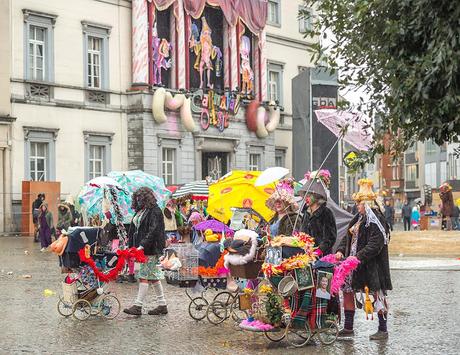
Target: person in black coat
35	213
318	219
147	232
389	214
367	240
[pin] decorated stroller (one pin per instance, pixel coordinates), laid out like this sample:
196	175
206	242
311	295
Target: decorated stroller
89	268
297	298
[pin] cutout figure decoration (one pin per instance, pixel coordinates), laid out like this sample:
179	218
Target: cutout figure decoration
246	71
161	52
206	52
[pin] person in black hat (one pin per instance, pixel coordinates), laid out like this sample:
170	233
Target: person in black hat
318	220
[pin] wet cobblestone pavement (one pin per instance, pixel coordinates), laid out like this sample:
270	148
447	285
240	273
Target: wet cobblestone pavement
424	317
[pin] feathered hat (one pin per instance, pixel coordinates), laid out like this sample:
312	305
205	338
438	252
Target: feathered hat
284	192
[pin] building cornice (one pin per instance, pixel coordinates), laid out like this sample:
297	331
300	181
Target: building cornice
7	119
287	41
65	86
27	13
28	129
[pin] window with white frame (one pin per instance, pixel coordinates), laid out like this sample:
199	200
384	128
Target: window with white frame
443	172
454	167
98	154
412	148
255	162
37	58
395	172
94	62
38	46
96	59
275	82
280	157
274	12
38	159
96	160
305	21
39	153
430	148
169	165
411	172
431	174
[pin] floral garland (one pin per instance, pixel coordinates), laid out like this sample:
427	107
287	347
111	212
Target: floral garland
216	270
294	262
138	255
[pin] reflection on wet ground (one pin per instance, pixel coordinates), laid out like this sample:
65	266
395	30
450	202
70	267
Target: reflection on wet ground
424	317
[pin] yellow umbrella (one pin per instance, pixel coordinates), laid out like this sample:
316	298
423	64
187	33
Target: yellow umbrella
458	202
237	189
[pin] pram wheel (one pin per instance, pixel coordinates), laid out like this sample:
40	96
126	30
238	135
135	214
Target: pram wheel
197	308
82	309
216	312
300	336
276	334
109	306
329	333
237	314
64	308
224	297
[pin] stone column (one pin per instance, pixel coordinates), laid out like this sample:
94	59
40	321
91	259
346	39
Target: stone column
233	58
263	65
140	53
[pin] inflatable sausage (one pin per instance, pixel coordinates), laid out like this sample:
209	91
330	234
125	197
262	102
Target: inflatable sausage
158	105
251	115
186	116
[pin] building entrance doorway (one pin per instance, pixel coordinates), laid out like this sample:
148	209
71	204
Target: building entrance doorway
214	165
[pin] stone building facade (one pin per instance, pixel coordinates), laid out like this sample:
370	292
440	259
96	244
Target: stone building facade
67	72
76	109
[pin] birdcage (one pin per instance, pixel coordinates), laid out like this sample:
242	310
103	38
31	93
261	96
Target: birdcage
187	274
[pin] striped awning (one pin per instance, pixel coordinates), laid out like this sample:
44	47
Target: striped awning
196	189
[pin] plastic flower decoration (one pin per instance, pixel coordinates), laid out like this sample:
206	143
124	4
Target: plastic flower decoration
265	289
324	175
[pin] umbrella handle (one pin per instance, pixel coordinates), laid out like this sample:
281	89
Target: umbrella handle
320	167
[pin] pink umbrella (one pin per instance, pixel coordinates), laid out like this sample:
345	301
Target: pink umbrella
353	127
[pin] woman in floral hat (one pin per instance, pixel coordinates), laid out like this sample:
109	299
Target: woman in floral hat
282	202
367	240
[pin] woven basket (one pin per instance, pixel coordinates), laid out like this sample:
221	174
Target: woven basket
69	292
245	302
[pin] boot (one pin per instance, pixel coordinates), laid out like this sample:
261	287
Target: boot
345	333
120	279
379	336
131	279
159	310
133	310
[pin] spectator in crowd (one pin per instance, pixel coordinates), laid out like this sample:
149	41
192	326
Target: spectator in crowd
35	212
455	218
406	215
45	226
389	214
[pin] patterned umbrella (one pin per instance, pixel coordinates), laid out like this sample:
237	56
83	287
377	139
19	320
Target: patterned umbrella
92	194
135	179
354	128
199	190
237	189
215	226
